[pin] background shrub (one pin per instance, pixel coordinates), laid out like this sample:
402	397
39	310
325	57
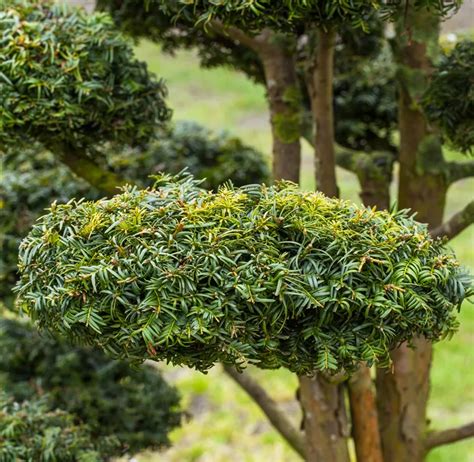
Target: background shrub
126	410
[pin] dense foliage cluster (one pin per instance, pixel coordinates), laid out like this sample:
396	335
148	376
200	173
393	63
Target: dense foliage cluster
270	276
148	20
449	99
285	14
365	102
67	77
32	178
31	431
126	410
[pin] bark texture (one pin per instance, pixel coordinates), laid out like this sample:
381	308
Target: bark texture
320	88
284	101
325	420
365	426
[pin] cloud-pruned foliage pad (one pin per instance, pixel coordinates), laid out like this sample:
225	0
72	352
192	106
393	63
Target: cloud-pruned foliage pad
70	78
126	410
287	14
266	275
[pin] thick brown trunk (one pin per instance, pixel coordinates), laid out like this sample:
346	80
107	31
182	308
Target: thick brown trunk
321	91
402	394
285	112
365	426
325	420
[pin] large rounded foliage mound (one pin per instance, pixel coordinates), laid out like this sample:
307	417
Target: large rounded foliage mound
126	410
69	78
271	276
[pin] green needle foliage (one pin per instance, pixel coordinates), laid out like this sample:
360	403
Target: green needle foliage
449	99
33	178
69	78
126	410
31	431
270	276
296	14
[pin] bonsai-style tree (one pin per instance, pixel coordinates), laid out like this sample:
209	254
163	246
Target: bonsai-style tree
222	20
259	275
125	410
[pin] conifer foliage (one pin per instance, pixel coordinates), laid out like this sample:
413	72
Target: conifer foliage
68	78
266	275
124	410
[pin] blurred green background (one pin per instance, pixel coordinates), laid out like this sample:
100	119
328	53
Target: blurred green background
224	423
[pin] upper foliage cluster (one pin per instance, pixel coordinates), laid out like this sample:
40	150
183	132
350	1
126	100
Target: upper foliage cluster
298	14
126	410
32	431
449	99
32	178
67	77
271	276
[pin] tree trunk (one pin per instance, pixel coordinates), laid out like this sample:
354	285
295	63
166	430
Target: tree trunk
325	417
365	426
402	395
375	192
284	101
325	420
321	92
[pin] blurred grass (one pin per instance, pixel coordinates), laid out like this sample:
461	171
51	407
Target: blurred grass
225	424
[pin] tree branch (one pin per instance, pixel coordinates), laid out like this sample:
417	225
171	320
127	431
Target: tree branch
84	167
459	170
270	409
234	33
457	223
452	435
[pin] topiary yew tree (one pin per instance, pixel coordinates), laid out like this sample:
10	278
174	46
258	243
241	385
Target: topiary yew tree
70	82
264	275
